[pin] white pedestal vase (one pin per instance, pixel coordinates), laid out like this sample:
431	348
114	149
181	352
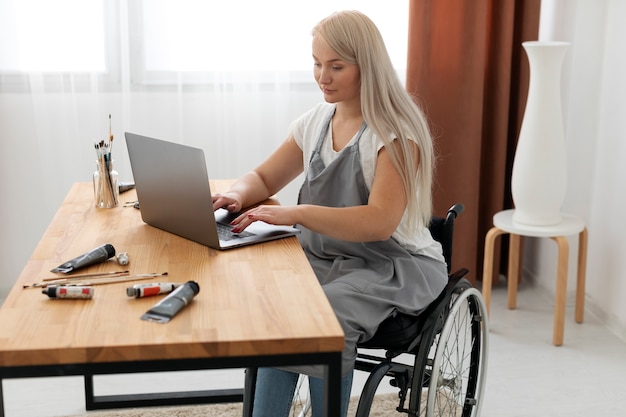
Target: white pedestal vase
539	177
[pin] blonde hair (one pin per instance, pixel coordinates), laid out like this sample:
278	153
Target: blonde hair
386	106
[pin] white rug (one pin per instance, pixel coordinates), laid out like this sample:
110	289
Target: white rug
384	406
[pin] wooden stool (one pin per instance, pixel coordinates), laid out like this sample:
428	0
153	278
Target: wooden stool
503	223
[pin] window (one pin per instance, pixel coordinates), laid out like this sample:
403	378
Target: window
166	42
251	38
187	35
52	36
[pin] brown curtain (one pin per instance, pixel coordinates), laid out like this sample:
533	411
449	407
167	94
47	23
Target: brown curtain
467	68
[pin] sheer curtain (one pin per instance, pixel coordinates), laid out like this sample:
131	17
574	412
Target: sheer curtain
594	108
228	77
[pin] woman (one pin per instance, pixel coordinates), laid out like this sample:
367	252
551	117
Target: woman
365	204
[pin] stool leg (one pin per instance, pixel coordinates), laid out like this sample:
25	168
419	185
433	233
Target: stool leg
513	270
561	290
488	263
582	274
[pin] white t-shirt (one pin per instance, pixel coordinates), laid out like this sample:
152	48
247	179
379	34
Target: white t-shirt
306	130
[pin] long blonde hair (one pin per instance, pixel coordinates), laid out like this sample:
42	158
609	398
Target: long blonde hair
386	106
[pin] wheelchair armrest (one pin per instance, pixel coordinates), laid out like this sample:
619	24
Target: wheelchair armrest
455	211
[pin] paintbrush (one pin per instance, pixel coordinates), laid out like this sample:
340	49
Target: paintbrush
94	274
110	135
96	280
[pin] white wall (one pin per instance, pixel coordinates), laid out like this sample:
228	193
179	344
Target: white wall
594	112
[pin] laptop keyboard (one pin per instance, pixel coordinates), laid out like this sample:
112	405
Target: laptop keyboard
224	232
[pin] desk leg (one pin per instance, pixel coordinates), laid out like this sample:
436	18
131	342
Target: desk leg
1	400
513	270
332	386
582	274
488	263
249	390
89	393
561	290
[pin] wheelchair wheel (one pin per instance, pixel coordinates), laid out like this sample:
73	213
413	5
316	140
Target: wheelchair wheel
454	377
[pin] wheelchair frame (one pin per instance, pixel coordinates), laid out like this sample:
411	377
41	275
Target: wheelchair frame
448	342
448	372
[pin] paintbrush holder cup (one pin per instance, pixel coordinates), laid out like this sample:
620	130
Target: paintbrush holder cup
106	189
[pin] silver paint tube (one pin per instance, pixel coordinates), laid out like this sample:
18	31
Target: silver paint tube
94	256
167	308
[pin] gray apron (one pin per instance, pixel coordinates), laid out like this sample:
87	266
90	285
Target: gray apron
365	282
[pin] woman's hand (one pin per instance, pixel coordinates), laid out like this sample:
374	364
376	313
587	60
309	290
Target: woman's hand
272	214
228	201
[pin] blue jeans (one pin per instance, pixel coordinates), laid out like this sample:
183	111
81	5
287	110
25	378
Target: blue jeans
275	389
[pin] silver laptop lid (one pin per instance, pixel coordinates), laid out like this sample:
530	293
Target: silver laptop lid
174	194
173	188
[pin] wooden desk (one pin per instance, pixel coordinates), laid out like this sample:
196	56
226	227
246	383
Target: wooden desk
258	306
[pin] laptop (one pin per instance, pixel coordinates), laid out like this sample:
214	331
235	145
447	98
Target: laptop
174	195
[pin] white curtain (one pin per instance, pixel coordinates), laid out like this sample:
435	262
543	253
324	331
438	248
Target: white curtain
594	87
227	77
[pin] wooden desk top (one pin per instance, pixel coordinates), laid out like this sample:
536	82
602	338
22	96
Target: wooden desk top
261	299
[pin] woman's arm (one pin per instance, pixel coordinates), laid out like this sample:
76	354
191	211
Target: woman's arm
267	179
377	220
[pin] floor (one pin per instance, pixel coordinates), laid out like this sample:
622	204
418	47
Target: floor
527	376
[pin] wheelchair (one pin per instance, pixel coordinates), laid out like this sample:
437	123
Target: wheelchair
447	345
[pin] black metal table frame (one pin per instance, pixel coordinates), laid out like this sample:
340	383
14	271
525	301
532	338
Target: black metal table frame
331	361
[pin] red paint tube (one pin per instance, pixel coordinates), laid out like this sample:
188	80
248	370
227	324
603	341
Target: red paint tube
69	291
147	290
